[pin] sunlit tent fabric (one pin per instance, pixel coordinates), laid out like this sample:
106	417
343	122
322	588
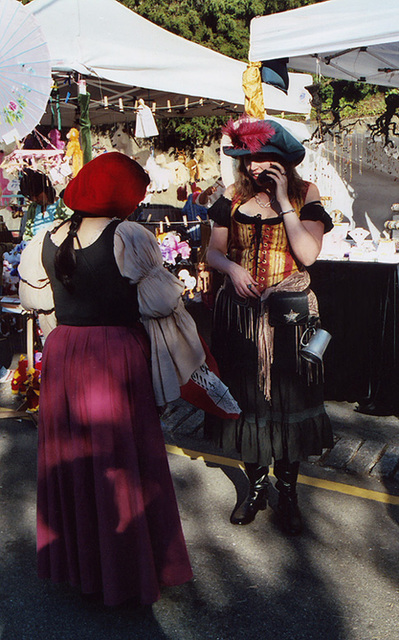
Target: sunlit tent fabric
346	39
123	55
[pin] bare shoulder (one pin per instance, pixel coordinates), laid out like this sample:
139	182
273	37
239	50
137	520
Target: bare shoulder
312	193
229	192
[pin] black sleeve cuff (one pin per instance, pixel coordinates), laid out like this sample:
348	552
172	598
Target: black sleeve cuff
315	211
220	212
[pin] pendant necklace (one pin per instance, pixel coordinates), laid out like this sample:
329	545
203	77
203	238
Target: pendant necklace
264	205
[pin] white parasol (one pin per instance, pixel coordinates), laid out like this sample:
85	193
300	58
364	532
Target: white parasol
25	72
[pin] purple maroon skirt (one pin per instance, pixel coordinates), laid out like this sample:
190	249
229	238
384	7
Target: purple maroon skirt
107	518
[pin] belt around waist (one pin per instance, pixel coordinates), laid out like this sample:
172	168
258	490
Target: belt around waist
249	302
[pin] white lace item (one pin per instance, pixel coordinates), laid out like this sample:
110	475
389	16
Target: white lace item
216	389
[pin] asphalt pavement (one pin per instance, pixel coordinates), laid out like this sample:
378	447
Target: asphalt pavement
337	581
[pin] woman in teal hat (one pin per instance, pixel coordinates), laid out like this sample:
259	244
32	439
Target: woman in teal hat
268	226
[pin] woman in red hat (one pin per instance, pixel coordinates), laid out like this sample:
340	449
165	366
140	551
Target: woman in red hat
107	518
268	226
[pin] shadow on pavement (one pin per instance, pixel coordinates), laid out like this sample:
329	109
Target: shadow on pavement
249	581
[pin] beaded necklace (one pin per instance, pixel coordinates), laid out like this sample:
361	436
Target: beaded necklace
264	205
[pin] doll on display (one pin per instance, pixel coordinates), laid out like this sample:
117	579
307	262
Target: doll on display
74	151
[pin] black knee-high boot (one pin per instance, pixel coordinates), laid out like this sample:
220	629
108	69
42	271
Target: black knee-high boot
256	499
287	508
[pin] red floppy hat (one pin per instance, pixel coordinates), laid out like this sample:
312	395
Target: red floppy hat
110	185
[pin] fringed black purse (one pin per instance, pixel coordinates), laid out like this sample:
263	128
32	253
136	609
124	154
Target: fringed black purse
288	308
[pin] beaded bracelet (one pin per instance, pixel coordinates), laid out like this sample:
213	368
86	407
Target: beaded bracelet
282	213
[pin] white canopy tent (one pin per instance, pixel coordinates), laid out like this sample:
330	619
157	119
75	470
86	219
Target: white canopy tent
125	57
346	39
356	40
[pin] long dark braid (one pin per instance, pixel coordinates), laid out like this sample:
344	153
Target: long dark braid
65	257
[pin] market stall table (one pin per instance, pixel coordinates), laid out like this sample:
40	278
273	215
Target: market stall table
358	306
11	304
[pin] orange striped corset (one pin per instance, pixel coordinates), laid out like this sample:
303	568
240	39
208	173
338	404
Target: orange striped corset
261	246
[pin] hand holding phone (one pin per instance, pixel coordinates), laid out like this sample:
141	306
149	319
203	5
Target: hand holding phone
265	178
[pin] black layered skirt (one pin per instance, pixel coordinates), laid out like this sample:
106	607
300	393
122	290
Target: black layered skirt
293	424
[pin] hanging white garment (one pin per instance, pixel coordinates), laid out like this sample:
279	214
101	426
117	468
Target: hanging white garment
145	122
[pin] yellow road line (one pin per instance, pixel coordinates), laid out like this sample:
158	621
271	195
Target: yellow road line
340	487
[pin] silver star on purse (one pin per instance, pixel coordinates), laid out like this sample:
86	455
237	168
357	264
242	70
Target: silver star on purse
291	316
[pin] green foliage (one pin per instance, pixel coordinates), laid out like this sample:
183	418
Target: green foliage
221	25
189	133
348	99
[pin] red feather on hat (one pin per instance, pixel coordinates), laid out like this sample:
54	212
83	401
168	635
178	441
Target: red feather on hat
248	134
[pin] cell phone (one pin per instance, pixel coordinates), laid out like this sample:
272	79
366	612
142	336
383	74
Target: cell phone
265	177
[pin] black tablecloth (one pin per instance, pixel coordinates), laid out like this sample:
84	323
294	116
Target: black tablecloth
358	306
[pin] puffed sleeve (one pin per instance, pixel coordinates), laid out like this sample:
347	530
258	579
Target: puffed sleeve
220	212
176	349
35	292
315	211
